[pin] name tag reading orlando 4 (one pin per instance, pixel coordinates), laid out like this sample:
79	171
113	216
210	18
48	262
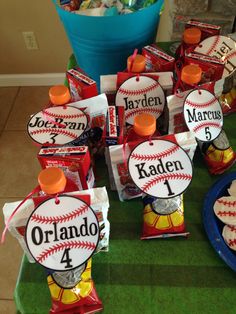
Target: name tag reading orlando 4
160	168
203	114
62	235
57	125
138	95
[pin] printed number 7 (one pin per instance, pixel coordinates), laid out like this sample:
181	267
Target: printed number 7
53	135
208	133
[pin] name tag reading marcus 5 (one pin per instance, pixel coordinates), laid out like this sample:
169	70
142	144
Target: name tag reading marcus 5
140	94
160	168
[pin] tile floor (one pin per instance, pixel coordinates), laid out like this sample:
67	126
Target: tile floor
18	173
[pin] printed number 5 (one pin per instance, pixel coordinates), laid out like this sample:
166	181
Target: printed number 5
208	133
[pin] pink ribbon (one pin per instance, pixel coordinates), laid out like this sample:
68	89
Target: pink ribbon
132	59
35	190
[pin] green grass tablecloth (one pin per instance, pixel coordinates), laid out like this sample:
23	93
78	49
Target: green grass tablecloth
162	276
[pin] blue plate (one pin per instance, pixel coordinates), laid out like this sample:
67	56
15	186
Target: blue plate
213	225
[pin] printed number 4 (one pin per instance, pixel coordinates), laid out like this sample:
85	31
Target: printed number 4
66	259
208	133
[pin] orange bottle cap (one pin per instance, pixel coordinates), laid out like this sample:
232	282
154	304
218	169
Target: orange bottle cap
139	64
191	74
192	35
52	180
144	124
59	95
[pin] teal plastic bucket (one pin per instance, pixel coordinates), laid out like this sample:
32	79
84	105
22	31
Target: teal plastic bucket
101	45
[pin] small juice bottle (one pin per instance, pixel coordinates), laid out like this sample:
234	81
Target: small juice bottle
190	76
144	127
191	38
136	64
59	95
52	180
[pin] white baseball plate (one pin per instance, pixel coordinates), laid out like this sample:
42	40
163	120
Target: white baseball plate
225	209
138	95
62	236
203	114
57	125
160	168
221	47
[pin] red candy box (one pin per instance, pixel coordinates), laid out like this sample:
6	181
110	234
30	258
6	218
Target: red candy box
81	86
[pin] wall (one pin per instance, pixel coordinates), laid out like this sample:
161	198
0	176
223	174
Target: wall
219	12
54	50
39	16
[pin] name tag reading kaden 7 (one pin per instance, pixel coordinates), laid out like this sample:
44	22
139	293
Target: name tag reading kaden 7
160	168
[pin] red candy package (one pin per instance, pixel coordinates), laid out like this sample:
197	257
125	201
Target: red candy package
157	60
75	161
113	132
218	154
164	218
73	291
212	67
207	30
81	86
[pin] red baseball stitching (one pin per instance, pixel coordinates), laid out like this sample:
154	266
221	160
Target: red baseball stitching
216	41
61	131
230	55
60	219
226	203
140	91
64	116
232	228
61	246
232	242
203	105
226	213
167	152
203	125
135	112
174	176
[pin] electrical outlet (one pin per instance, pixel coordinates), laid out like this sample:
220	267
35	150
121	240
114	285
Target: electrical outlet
30	40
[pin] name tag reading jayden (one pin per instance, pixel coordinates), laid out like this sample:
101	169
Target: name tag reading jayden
138	95
62	235
57	125
203	114
160	168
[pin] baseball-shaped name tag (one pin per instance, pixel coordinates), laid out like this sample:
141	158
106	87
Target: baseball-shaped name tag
221	47
57	125
138	95
203	114
160	168
62	235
